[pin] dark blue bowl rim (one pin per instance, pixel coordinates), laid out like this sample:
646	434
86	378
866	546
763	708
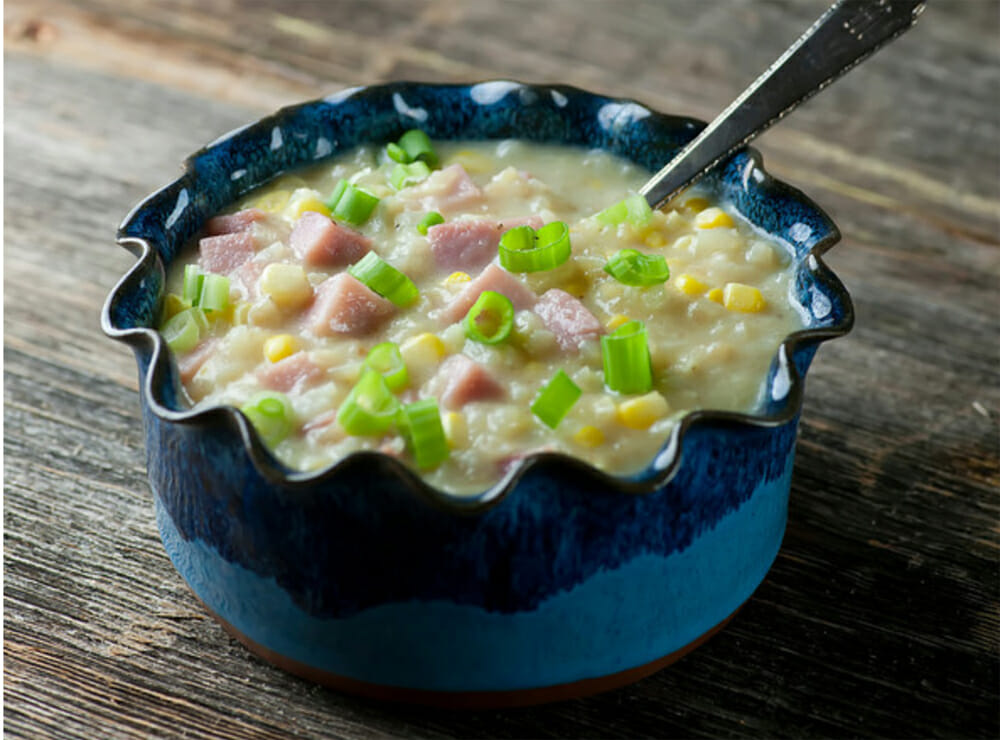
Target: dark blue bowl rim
666	462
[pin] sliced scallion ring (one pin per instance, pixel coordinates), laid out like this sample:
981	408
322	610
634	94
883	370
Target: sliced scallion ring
633	209
555	399
350	203
182	331
193	278
632	267
386	360
404	175
385	280
625	354
214	295
418	147
490	319
522	249
431	219
420	423
271	414
370	408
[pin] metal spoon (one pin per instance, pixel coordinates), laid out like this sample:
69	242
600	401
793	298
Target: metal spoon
845	35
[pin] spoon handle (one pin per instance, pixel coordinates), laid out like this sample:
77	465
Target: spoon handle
845	35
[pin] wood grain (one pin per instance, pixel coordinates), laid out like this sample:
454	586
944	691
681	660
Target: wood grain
881	616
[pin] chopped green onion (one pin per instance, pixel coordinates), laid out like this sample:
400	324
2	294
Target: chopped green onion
386	360
633	209
350	203
385	280
404	175
182	331
193	278
271	414
490	319
199	316
522	249
632	267
431	219
420	423
397	154
370	408
418	147
627	366
555	399
214	293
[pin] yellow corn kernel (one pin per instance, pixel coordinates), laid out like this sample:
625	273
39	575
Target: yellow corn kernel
456	431
241	313
715	294
689	284
457	277
473	162
272	202
280	346
713	218
696	204
589	436
303	200
577	286
423	351
641	412
655	240
286	285
745	298
173	304
617	320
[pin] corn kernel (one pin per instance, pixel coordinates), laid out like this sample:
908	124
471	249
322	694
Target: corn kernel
279	347
473	162
655	240
589	436
715	294
303	200
272	202
617	320
456	431
457	277
745	298
173	304
689	284
286	285
641	412
423	351
713	218
696	204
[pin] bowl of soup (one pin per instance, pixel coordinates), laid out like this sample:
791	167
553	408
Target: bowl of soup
438	410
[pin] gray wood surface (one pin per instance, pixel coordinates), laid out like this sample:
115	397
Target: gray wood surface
882	613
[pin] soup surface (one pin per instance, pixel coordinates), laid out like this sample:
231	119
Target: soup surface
278	306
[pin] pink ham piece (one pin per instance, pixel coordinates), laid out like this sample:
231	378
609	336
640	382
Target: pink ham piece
191	363
345	305
246	277
321	242
468	245
232	223
466	381
567	318
223	254
449	190
291	373
493	278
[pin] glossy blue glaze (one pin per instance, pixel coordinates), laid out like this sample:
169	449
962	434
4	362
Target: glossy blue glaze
557	573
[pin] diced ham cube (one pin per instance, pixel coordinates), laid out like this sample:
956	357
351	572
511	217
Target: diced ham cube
223	254
567	318
468	245
449	190
493	278
232	223
191	363
464	381
319	241
293	372
345	305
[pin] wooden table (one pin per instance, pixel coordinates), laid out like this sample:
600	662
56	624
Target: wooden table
880	616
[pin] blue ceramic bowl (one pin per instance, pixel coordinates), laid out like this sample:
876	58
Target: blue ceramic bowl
559	580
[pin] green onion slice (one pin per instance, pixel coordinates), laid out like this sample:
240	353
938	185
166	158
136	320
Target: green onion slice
420	423
397	154
386	360
350	203
431	219
385	280
417	146
193	279
214	293
522	249
490	319
182	331
272	416
634	209
404	175
555	399
370	408
632	267
625	353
